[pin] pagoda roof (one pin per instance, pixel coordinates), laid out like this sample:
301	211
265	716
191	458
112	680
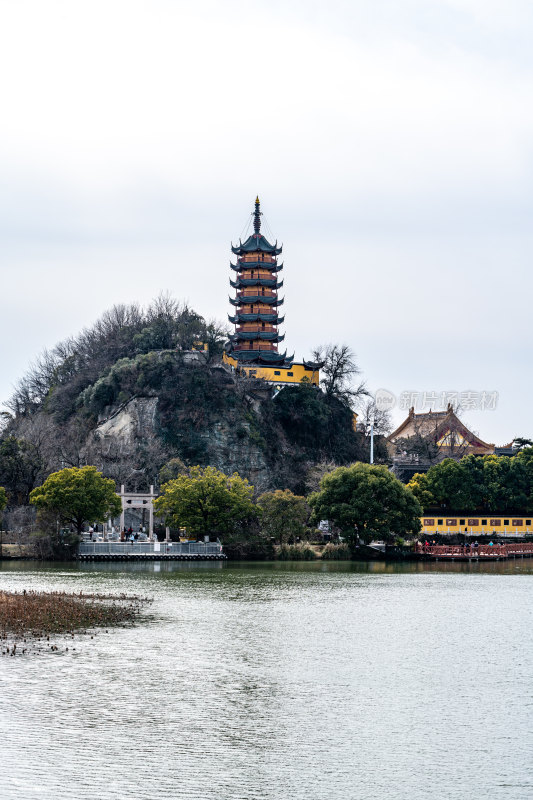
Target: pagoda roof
256	298
243	266
268	336
273	318
256	243
438	425
271	283
314	365
267	357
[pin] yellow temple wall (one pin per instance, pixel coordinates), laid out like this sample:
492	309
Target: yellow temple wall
491	525
294	375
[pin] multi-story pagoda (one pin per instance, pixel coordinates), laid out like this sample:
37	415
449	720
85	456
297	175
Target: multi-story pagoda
253	348
257	301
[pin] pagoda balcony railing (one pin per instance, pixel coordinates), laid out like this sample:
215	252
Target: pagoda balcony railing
266	329
259	274
254	259
254	293
257	346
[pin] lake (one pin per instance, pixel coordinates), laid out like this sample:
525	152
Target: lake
279	681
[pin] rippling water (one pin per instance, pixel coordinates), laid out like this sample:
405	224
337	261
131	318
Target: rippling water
280	681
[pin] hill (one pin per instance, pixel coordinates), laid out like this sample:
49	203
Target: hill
130	394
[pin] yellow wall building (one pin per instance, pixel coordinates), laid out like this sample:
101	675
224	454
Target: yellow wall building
292	375
488	525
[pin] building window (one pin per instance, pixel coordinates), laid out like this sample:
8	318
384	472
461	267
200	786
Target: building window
528	522
277	372
439	522
290	373
506	522
483	521
461	522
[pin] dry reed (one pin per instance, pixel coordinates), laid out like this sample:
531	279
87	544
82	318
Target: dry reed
29	618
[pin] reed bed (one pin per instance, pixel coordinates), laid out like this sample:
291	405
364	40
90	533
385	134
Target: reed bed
336	552
296	552
28	619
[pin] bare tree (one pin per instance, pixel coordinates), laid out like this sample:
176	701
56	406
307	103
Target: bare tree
381	418
338	371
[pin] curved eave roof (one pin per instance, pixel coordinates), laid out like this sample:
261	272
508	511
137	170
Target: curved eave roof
256	265
267	336
314	365
266	357
273	318
256	300
268	283
256	243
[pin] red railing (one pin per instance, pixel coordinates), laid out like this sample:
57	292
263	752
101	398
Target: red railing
485	551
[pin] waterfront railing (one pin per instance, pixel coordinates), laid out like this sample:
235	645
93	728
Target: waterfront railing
150	548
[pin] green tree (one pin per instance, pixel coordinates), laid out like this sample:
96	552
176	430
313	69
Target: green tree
452	486
497	484
206	501
367	500
284	514
521	443
419	486
77	495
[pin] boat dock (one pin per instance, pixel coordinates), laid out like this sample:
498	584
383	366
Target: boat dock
150	551
483	552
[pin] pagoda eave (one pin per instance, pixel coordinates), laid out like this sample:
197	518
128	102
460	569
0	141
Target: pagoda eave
314	365
266	336
244	265
256	243
272	318
256	300
268	283
266	357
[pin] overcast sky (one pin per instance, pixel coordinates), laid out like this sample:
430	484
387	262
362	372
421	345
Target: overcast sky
390	142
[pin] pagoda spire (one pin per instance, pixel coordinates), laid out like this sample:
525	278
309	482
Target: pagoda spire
257	216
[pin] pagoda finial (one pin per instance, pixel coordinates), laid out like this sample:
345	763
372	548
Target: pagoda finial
257	216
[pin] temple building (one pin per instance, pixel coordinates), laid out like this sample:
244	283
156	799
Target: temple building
425	439
253	347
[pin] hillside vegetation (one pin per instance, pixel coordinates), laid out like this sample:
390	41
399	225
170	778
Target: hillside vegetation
125	396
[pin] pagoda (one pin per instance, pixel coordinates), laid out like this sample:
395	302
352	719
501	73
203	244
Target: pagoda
256	317
253	347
